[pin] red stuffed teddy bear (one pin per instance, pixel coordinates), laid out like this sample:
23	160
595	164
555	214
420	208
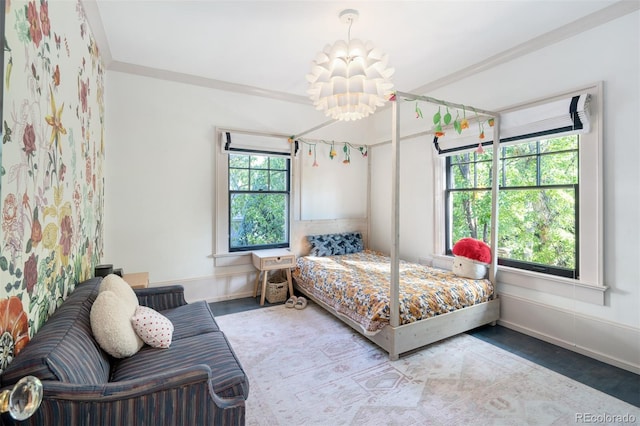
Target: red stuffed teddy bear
471	258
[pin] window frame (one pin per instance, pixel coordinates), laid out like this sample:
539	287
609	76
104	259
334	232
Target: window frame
287	192
514	263
226	263
589	287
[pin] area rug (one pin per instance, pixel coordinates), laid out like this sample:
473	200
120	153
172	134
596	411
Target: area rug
305	367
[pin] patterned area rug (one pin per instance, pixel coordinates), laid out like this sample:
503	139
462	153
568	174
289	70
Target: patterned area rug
306	367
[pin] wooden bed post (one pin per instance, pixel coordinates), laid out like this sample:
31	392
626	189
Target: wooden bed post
394	285
493	268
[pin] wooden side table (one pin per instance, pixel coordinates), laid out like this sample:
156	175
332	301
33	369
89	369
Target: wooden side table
137	279
270	260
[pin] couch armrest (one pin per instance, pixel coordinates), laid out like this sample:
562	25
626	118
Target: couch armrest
161	298
164	399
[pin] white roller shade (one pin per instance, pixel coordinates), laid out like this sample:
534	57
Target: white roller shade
560	117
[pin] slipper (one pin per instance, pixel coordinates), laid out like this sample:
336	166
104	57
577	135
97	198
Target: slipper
301	303
291	302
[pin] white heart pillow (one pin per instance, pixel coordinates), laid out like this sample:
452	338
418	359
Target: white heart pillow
152	327
117	285
111	325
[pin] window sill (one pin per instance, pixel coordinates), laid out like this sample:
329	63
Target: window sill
559	286
549	284
232	264
231	259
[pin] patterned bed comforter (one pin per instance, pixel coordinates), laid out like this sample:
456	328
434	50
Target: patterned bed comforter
357	286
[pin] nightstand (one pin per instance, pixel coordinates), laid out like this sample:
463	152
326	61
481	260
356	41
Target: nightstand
270	260
137	279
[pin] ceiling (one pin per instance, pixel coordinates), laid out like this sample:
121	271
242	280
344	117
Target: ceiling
266	47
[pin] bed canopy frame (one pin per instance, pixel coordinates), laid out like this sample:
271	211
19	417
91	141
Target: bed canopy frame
395	188
401	338
396	338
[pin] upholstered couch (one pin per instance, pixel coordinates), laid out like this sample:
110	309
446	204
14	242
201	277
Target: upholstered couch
198	380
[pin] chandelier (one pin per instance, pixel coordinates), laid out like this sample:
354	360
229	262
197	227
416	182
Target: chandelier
350	79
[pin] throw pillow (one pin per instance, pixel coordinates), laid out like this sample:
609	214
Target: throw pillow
468	268
111	325
335	244
117	285
152	327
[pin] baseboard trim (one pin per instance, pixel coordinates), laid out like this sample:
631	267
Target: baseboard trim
605	341
230	297
214	288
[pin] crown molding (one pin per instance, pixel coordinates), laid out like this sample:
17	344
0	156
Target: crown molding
609	13
593	20
210	83
576	27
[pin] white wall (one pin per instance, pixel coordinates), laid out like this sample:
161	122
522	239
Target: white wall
609	53
416	199
159	177
159	190
332	189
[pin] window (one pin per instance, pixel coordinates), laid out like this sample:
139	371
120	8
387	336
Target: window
252	196
258	191
537	205
572	143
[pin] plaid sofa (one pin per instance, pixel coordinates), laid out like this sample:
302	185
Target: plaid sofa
197	381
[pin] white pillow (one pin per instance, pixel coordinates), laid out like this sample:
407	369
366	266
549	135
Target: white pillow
116	284
152	327
111	325
465	267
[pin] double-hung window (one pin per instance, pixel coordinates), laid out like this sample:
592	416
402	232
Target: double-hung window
550	189
258	201
537	204
253	190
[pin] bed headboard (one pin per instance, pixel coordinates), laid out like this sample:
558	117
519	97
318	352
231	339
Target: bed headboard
301	229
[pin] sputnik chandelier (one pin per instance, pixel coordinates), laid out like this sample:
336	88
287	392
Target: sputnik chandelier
350	79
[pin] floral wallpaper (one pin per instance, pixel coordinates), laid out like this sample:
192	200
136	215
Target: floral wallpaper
51	179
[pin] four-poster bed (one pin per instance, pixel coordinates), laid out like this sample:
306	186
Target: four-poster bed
401	335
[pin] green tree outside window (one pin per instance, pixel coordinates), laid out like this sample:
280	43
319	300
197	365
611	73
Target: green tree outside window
258	201
537	204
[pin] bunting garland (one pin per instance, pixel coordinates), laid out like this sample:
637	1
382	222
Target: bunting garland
440	123
346	149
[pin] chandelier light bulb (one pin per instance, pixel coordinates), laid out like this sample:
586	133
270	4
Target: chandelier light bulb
349	79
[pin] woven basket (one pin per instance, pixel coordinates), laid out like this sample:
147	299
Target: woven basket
276	289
